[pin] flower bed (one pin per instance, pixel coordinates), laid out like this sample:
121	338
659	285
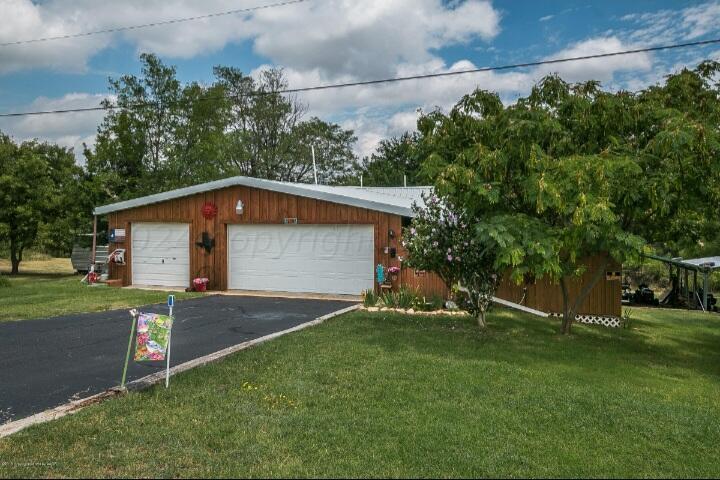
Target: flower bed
412	311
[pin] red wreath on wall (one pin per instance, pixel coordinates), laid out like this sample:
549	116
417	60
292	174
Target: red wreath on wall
209	210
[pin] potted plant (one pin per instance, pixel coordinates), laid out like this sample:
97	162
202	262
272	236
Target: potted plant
394	271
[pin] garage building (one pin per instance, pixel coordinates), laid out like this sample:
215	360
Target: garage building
245	233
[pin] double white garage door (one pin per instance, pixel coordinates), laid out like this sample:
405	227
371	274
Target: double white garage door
301	258
284	258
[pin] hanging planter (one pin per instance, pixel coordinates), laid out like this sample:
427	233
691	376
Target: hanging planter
394	271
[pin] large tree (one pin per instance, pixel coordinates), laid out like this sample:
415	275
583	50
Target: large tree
163	134
268	137
572	171
37	182
396	161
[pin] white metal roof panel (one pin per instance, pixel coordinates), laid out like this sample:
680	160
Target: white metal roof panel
395	200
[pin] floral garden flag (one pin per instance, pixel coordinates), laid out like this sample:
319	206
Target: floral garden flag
153	331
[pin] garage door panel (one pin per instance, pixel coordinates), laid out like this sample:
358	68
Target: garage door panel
161	254
301	258
161	258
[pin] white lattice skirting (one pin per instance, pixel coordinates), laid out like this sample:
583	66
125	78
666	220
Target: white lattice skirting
612	322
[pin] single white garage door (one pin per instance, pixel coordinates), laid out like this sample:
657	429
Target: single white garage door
301	258
161	254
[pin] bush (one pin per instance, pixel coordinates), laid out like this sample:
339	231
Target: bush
431	304
370	298
4	281
406	298
627	318
389	299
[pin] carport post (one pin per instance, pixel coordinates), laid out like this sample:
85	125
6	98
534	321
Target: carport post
94	243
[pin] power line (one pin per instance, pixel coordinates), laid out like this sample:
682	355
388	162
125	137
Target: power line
154	24
393	79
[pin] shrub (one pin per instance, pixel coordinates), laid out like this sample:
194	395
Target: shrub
389	299
406	297
627	318
437	302
4	281
442	239
429	304
370	298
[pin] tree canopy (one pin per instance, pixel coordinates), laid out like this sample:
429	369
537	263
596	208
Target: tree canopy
573	170
44	198
395	161
165	135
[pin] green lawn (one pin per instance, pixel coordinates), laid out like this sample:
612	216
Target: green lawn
39	296
390	395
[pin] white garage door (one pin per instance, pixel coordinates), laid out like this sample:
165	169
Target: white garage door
161	254
301	258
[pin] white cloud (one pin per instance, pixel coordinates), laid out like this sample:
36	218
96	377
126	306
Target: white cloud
66	129
602	69
667	26
334	41
23	20
335	36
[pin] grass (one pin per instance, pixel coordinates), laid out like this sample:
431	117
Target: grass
378	394
39	264
44	288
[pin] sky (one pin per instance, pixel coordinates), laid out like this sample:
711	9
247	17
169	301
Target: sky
335	41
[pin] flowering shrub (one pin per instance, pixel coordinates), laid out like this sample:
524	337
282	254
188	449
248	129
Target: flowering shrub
441	239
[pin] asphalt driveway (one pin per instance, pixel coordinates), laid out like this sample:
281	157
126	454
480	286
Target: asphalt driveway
46	362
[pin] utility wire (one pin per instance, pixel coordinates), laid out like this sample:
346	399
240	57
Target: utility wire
394	79
154	24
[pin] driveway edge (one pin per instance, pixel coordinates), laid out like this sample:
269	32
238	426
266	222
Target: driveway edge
150	380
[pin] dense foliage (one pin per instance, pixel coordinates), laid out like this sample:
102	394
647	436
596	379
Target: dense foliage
441	240
167	135
573	171
45	198
395	162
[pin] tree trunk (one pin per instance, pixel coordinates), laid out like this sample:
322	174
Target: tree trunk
567	319
481	319
570	309
15	258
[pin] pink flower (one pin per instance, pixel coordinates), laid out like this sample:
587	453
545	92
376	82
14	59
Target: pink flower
450	258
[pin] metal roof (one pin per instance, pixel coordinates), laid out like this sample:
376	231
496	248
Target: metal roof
395	200
704	264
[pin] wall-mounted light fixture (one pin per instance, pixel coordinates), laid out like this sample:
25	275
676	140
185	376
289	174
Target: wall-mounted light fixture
240	207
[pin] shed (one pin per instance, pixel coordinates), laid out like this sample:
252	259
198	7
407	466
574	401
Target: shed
245	233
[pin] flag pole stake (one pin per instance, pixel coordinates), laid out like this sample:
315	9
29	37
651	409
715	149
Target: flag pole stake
171	302
133	314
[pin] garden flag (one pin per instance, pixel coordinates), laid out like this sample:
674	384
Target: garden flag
153	332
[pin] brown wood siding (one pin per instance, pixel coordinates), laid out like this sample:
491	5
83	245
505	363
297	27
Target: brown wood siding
426	283
261	207
545	295
267	207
